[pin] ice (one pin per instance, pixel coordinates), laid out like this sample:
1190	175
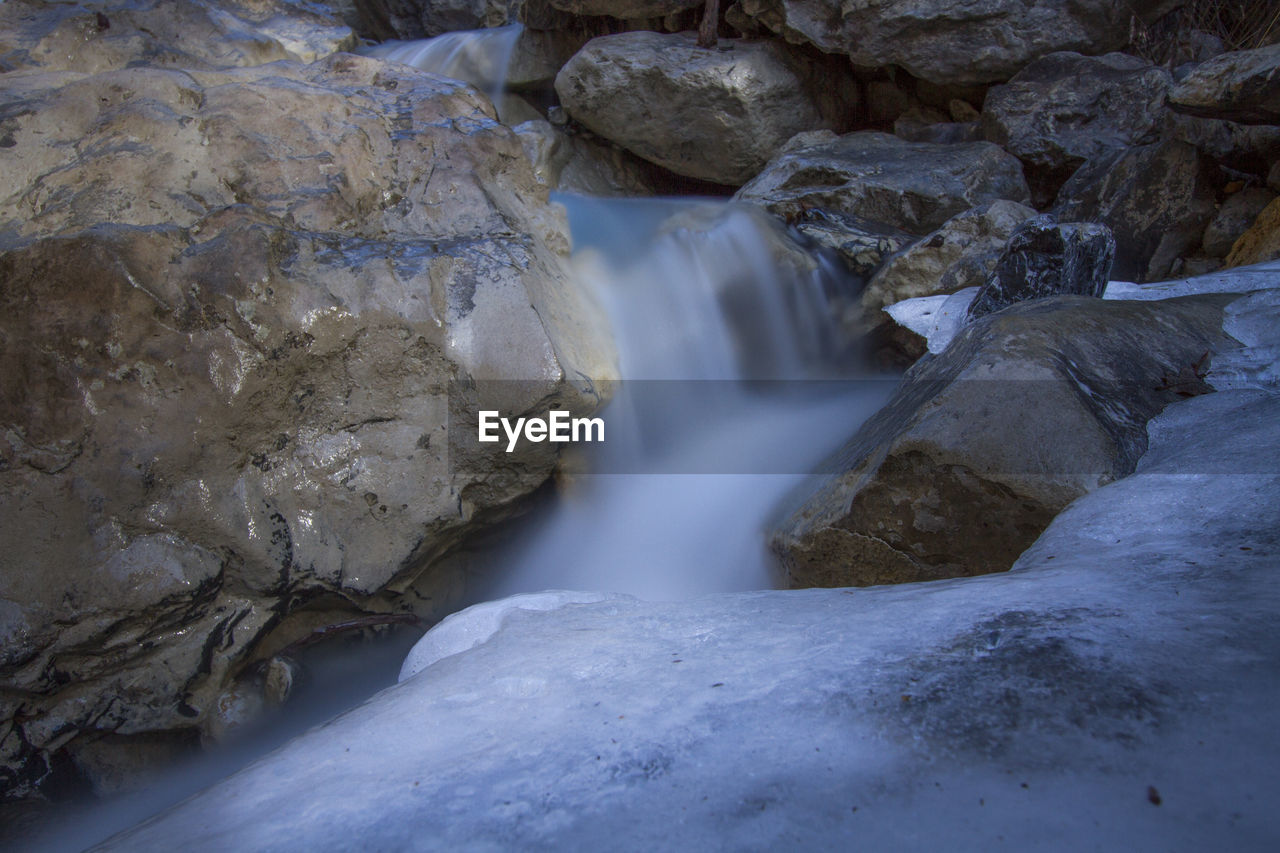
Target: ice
1116	690
936	318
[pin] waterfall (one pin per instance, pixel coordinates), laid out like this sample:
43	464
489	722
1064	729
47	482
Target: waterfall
732	363
478	57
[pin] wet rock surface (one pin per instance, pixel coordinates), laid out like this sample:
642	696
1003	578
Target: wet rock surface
1044	258
242	304
716	115
913	186
945	481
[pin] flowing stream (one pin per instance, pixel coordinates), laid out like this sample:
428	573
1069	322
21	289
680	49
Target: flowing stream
737	382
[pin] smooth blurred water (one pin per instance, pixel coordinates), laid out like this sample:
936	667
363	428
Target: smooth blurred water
737	382
478	57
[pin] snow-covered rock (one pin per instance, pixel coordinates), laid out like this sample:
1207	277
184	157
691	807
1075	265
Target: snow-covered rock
1111	692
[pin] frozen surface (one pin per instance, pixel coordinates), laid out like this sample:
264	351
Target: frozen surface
939	318
1130	658
1254	320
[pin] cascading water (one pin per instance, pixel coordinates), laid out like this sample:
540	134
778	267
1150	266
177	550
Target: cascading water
727	354
478	57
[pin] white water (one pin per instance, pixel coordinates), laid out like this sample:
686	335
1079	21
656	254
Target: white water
698	452
478	57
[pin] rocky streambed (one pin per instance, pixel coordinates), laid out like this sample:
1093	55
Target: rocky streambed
259	278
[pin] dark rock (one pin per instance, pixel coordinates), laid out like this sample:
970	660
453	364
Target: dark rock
983	445
1065	108
1235	217
861	244
1241	86
1157	200
913	186
1044	258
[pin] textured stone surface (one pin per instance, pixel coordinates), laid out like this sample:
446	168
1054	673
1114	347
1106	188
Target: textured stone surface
1065	108
949	41
627	9
914	186
1157	200
1044	258
862	245
237	302
962	253
717	115
415	19
984	444
169	33
1261	242
1242	86
1236	216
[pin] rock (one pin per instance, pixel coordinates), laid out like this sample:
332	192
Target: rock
1130	649
1064	109
1235	216
1261	242
252	311
949	41
539	55
1157	199
1044	258
914	186
962	253
1241	86
983	445
572	163
380	20
940	133
862	245
194	34
1273	176
625	9
716	115
1243	147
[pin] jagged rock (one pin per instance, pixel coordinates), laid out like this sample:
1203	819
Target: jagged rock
1044	258
949	41
381	20
1157	200
1242	147
251	311
861	244
1261	242
984	444
1064	109
1241	86
914	186
962	253
1236	215
717	115
939	133
166	33
571	163
625	9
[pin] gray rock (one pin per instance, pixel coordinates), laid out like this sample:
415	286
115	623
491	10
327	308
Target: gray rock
962	253
252	311
949	41
717	115
381	20
983	445
1273	176
1044	258
862	245
1235	217
1243	147
913	186
539	55
1241	86
192	34
1064	109
1157	200
625	9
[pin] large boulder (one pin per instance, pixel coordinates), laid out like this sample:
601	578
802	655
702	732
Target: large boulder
1044	258
1064	109
170	33
914	186
250	315
576	164
717	115
1157	199
380	20
1236	215
1242	86
1025	411
949	41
